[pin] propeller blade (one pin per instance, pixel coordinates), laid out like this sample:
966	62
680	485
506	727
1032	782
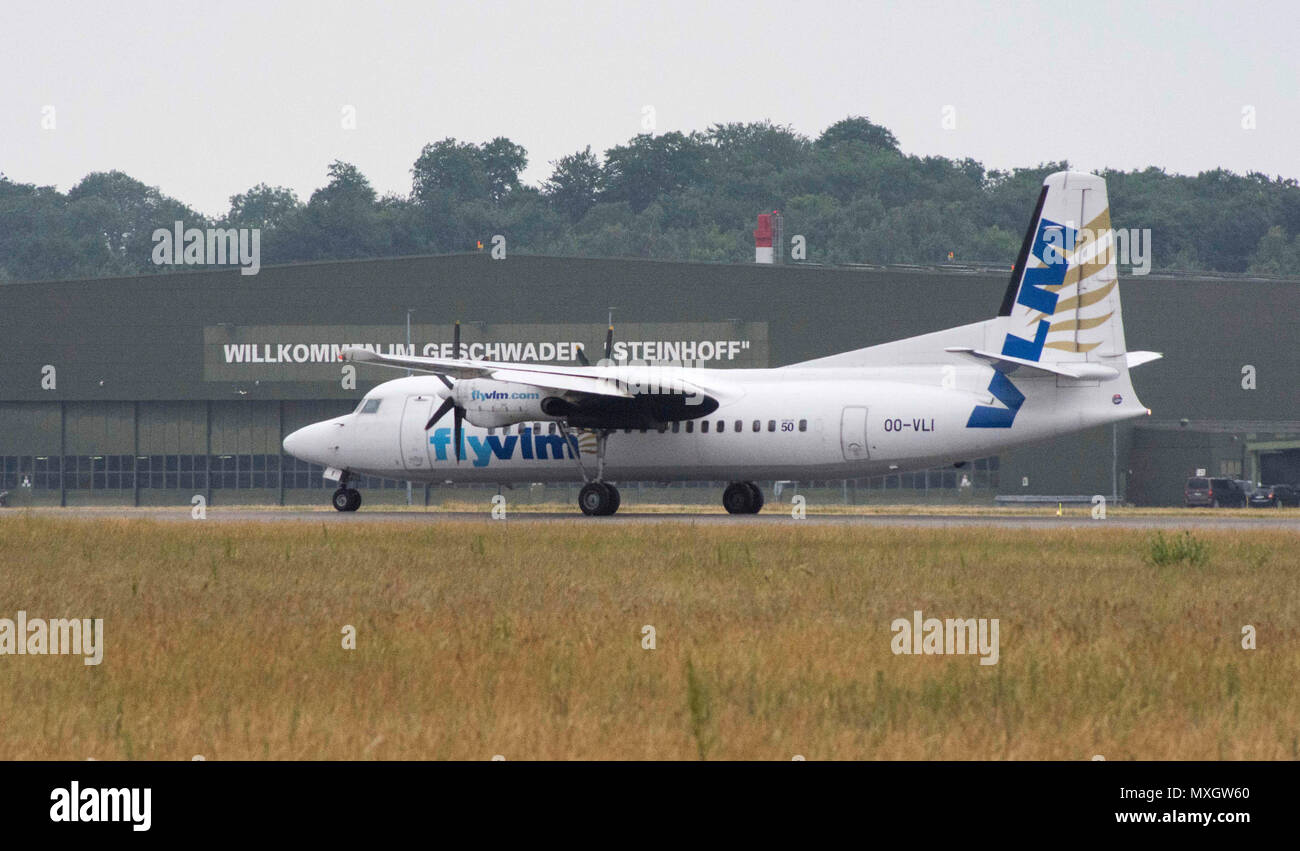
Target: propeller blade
446	406
609	342
455	352
459	415
582	357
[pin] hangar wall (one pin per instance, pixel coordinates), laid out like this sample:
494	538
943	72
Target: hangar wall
165	384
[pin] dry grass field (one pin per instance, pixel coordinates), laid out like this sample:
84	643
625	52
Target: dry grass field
525	640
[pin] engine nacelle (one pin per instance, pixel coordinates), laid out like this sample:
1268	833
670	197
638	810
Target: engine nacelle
489	403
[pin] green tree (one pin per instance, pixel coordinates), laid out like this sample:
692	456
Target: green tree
503	160
341	220
649	166
450	171
574	184
857	130
1275	254
265	207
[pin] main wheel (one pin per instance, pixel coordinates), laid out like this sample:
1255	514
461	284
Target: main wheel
757	493
598	499
354	497
738	498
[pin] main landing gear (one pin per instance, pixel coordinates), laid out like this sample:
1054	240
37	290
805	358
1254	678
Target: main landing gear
742	498
598	498
346	498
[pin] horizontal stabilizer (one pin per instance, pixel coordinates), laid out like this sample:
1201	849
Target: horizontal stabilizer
1009	364
1132	359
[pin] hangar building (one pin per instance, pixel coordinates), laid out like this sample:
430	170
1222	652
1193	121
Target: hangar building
148	390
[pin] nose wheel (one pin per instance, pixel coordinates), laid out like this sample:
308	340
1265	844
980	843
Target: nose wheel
742	498
347	499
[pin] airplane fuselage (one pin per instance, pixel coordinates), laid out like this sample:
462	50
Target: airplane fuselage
779	424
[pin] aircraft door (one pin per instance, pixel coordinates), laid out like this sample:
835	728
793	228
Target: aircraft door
853	434
414	439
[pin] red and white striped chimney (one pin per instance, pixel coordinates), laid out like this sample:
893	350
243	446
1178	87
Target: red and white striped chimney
763	239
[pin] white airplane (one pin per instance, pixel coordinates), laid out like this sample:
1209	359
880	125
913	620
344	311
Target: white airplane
1052	361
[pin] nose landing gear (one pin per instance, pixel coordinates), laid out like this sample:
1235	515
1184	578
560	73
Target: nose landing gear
346	498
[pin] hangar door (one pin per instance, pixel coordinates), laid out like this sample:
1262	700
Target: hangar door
853	434
415	440
1280	467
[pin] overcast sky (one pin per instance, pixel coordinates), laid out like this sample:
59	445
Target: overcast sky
208	101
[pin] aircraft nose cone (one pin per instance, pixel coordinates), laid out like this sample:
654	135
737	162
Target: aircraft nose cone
293	442
309	442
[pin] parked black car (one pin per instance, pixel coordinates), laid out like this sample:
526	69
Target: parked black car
1275	496
1209	492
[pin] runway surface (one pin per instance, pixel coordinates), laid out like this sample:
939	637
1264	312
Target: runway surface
1245	519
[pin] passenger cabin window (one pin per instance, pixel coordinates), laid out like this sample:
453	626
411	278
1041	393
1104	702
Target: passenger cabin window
704	426
803	425
677	426
722	426
740	426
757	425
369	406
771	425
552	428
690	426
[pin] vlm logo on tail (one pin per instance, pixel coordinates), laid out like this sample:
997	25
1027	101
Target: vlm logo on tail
1037	291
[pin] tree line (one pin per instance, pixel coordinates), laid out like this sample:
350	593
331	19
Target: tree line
851	193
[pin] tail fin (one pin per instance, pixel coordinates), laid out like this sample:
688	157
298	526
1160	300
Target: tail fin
1062	303
1060	315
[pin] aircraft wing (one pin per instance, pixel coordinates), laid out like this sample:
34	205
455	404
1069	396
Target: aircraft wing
620	381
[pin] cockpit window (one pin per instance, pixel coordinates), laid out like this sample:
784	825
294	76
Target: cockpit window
369	406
